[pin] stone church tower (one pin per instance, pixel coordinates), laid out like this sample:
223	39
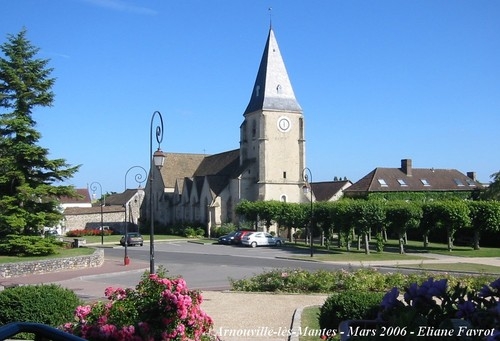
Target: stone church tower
272	144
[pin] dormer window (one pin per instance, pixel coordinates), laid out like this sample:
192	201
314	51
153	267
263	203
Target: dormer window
471	183
425	182
382	183
402	183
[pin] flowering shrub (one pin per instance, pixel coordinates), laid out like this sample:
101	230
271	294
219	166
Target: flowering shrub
158	308
431	309
88	232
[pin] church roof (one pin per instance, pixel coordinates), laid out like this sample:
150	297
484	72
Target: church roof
179	165
222	164
272	89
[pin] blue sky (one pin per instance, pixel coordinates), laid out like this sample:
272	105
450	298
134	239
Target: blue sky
379	81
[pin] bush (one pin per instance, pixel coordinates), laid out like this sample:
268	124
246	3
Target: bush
159	308
224	229
26	246
88	232
349	305
49	304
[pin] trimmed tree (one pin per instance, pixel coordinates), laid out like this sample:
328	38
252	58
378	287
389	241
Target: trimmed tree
403	216
485	216
28	198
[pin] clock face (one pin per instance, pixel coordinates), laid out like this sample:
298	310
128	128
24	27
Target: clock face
284	124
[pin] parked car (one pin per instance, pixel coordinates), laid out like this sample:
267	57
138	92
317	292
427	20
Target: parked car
240	234
228	238
133	238
261	238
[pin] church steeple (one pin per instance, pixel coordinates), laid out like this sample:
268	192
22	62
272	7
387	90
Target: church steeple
273	89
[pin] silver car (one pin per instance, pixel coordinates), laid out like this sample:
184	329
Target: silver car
261	238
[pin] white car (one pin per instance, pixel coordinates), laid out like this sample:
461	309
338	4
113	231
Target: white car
261	238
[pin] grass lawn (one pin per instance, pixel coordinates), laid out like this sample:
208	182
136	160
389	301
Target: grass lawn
309	324
460	267
81	251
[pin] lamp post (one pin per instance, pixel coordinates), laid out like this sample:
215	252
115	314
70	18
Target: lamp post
93	187
157	160
139	178
307	188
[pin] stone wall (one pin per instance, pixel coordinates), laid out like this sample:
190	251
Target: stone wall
52	265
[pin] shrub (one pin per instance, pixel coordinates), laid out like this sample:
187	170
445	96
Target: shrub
224	229
349	305
49	304
26	246
323	281
159	308
88	232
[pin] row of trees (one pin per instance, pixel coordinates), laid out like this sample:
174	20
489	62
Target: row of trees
364	218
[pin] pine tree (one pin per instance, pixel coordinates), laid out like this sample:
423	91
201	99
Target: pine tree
28	190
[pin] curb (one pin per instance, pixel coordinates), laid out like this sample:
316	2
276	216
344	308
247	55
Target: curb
295	326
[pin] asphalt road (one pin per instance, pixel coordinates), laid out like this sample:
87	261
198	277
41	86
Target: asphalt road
209	266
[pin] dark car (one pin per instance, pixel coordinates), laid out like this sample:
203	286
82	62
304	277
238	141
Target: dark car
133	238
228	238
240	234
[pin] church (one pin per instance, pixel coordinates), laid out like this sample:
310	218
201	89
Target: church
268	165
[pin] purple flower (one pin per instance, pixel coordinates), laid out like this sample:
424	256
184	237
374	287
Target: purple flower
411	293
485	291
496	284
390	299
465	309
438	288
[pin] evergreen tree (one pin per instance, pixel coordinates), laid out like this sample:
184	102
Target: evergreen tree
28	194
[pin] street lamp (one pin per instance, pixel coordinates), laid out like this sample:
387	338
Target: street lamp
139	178
307	188
93	187
157	160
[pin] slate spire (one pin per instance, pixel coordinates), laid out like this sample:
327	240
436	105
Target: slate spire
273	89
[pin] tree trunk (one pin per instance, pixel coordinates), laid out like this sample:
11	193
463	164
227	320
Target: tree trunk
426	240
359	242
450	240
401	245
384	231
367	245
476	240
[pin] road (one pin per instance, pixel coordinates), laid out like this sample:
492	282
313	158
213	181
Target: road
209	266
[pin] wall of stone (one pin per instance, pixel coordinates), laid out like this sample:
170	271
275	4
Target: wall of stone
93	220
52	265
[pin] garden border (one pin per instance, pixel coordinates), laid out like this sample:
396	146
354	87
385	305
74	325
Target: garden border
9	270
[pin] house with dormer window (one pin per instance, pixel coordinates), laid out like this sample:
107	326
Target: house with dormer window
419	180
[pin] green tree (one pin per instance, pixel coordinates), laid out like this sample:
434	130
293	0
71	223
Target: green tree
453	214
370	216
485	216
28	196
493	190
402	216
342	215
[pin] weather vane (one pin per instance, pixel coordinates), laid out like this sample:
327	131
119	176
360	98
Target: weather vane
270	10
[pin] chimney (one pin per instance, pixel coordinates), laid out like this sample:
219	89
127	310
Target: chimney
406	166
472	175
